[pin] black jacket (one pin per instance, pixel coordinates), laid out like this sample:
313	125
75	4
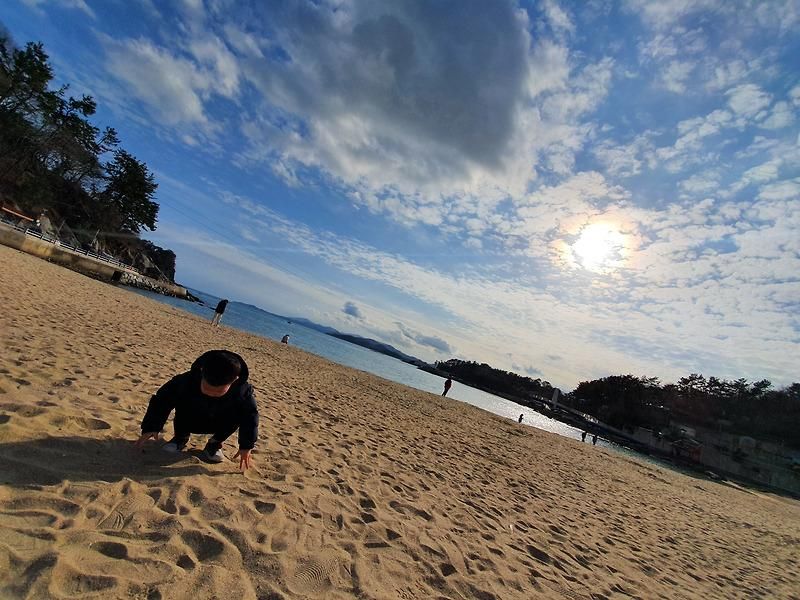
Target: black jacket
196	413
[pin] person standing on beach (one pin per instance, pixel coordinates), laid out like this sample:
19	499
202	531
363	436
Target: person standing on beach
285	339
218	312
594	440
583	436
212	397
447	385
520	418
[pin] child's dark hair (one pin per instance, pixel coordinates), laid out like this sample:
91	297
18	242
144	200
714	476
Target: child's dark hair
221	368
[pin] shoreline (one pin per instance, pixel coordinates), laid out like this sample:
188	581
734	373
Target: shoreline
542	407
362	487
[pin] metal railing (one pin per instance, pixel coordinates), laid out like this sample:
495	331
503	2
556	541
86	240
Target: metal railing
38	233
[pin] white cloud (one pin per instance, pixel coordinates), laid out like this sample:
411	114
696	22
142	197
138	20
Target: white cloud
782	115
222	67
761	173
245	43
723	75
660	47
559	20
692	134
625	160
171	87
80	5
549	68
410	121
794	95
676	74
665	13
700	183
388	98
747	100
783	190
783	15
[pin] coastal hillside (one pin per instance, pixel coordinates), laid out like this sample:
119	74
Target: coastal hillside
63	175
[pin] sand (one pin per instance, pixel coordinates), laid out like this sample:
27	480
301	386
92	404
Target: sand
361	488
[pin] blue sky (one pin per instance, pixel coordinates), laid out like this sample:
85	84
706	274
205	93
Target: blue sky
566	190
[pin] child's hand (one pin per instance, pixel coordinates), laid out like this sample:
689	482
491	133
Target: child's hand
244	458
153	435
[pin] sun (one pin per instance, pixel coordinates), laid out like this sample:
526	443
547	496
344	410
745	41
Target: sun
599	247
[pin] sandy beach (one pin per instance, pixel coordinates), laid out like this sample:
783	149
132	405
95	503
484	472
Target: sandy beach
361	488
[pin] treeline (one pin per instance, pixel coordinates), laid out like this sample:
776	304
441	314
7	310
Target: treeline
483	376
54	161
740	407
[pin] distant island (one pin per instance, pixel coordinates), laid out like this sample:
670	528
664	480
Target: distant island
358	340
380	347
511	386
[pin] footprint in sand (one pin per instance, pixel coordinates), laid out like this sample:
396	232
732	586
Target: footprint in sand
112	549
366	503
538	554
204	546
279	542
24	584
29	519
70	582
44	504
314	575
80	422
122	514
23	410
332	519
405	509
265	508
447	569
375	543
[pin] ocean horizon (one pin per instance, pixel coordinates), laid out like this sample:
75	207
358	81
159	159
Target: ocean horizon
253	319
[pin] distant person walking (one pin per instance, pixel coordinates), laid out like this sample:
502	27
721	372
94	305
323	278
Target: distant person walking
218	312
583	436
285	339
447	385
594	440
520	418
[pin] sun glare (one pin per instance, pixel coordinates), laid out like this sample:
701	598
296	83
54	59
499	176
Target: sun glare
599	247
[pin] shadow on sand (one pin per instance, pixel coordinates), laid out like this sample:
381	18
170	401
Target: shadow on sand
53	460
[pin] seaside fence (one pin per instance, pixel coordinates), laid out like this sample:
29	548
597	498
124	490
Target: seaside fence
31	230
37	243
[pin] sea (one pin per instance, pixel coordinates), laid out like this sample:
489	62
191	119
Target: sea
260	322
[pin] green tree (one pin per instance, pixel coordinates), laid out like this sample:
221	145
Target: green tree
129	193
53	157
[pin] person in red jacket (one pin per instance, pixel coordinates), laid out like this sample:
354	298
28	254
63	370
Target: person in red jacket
212	397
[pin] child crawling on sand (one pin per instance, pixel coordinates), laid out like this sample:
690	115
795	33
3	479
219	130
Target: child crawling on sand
213	397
